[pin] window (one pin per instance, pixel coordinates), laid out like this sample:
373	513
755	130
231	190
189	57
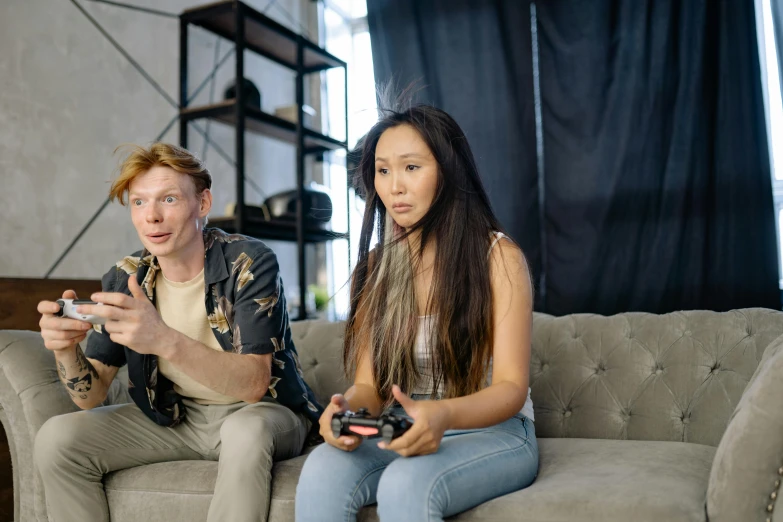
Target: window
770	75
346	35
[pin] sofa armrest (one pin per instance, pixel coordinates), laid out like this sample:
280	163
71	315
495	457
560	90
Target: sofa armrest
747	471
30	393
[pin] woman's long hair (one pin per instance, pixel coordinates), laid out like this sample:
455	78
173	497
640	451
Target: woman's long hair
461	222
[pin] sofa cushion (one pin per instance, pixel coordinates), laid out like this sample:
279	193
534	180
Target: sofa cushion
579	479
606	481
748	468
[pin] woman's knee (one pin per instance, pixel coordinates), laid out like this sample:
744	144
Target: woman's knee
406	482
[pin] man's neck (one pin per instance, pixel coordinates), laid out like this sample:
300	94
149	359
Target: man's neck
187	264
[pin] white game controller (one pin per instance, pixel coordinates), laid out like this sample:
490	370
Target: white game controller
68	309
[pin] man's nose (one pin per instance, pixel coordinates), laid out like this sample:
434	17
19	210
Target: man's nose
153	214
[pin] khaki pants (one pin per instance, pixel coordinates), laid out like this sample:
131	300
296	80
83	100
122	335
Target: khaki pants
73	452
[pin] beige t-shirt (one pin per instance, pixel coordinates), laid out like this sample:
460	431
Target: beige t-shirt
181	305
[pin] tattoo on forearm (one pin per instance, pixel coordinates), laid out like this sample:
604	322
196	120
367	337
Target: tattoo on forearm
82	381
84	364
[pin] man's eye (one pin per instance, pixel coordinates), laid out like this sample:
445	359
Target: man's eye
136	202
170	199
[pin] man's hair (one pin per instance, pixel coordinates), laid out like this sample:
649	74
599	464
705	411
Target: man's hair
139	160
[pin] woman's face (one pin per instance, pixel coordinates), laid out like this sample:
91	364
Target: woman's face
406	174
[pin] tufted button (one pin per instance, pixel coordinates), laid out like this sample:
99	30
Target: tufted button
575	335
777	484
545	367
770	508
658	371
715	369
773	495
780	471
686	333
567	413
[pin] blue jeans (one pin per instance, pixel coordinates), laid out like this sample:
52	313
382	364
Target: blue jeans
470	467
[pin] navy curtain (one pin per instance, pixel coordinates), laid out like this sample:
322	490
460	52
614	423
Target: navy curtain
655	187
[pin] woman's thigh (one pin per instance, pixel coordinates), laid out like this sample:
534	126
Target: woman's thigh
471	467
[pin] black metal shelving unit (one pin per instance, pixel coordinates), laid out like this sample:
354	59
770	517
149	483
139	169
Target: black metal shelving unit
251	30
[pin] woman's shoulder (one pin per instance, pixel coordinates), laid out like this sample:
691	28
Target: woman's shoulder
506	259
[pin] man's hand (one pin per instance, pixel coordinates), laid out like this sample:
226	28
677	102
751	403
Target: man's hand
131	321
338	404
60	333
431	420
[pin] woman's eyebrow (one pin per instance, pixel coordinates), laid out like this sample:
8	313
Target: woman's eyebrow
407	155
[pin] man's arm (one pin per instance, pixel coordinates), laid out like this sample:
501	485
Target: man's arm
243	376
86	380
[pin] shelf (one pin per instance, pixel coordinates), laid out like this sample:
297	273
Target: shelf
262	123
262	35
274	230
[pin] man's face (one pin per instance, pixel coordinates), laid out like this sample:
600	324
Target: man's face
167	212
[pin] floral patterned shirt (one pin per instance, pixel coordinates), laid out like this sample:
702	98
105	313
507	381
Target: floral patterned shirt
245	306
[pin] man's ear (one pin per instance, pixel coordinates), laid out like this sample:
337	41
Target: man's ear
206	203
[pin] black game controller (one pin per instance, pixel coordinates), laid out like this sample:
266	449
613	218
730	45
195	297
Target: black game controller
389	427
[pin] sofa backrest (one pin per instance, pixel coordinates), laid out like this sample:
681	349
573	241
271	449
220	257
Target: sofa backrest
674	377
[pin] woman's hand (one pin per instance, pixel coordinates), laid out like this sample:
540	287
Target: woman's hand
338	404
431	420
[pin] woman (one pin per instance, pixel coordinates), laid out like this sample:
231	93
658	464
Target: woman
439	329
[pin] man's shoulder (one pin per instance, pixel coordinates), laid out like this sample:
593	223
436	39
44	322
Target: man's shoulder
235	245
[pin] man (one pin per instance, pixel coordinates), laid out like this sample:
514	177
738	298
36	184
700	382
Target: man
200	318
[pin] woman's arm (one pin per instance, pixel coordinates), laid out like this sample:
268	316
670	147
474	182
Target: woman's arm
362	394
512	300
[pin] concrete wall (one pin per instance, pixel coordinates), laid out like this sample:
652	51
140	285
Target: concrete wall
68	98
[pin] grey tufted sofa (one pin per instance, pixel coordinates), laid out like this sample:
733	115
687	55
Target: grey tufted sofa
629	412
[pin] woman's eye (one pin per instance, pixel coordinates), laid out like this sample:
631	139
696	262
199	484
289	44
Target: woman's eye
383	171
411	167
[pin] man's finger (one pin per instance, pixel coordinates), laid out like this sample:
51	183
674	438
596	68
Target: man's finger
48	307
69	294
135	289
106	311
113	298
59	345
65	324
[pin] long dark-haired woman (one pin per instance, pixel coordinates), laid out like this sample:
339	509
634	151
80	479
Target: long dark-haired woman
439	329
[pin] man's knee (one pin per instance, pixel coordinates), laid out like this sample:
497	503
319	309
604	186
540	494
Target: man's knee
56	439
246	432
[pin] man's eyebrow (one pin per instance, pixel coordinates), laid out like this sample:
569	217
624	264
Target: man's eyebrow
167	189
